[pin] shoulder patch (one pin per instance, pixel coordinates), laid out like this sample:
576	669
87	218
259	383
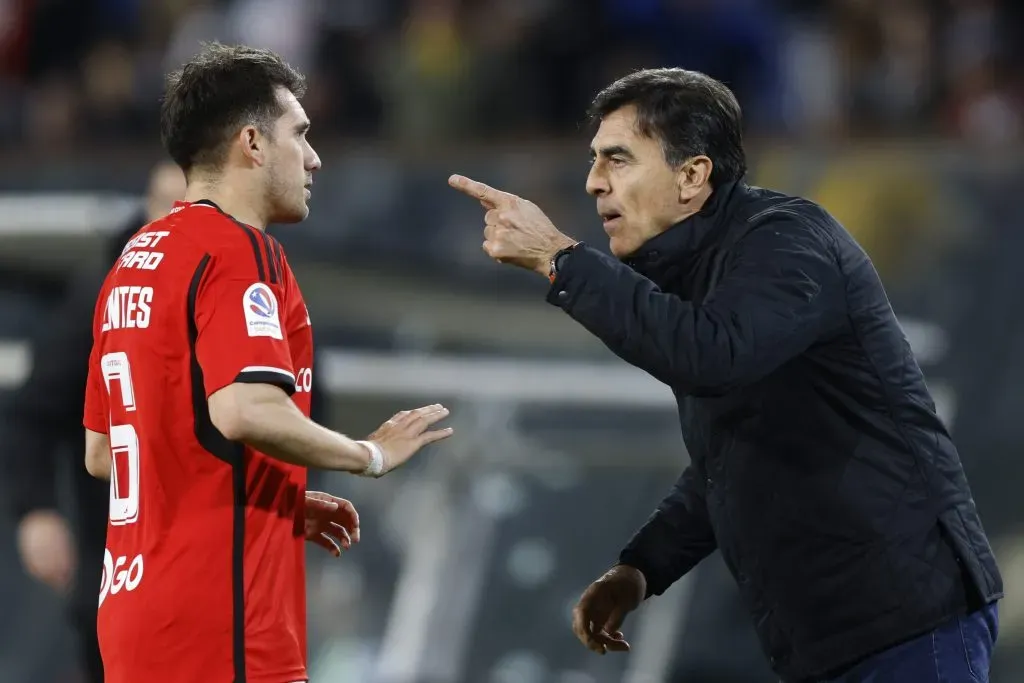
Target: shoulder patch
262	314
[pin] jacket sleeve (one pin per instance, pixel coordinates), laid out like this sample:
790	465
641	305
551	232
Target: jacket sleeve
781	291
675	538
47	408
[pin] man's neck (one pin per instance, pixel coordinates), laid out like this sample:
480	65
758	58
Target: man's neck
694	206
690	208
236	203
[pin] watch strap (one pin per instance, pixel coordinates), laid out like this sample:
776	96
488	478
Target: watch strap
553	266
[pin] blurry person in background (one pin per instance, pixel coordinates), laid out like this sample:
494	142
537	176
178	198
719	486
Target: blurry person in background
819	466
43	424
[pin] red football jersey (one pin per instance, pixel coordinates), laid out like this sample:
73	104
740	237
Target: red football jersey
203	576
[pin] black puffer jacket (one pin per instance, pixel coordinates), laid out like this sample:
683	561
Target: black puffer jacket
818	465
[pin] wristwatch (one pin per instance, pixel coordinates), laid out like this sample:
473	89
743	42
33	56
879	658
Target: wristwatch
556	259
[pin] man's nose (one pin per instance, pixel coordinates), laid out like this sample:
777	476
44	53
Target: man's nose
597	184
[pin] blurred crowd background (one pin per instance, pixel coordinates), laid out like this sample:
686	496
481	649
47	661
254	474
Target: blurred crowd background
905	118
419	71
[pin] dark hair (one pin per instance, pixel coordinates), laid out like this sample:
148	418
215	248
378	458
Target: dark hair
689	112
221	89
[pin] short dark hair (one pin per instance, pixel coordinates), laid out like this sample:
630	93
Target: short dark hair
689	112
219	90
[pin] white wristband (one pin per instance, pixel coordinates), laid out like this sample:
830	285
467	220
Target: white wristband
376	466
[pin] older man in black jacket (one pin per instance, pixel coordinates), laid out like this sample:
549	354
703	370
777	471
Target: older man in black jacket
818	465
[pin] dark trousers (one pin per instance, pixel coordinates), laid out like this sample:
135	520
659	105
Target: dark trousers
83	621
958	652
93	498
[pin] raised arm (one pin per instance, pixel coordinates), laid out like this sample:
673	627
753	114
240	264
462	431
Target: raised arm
782	292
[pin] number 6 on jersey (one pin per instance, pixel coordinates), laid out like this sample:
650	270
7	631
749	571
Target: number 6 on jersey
124	442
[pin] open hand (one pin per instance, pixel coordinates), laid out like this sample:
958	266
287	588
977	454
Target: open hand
407	432
516	231
331	522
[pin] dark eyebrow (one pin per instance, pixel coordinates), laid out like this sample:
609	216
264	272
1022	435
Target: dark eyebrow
613	150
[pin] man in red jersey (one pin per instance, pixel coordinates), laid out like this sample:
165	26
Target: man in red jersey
198	399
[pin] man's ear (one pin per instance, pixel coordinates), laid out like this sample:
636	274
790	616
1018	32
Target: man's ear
252	144
693	176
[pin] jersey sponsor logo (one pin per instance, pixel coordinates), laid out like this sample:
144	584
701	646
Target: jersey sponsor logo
261	312
145	239
127	308
136	255
120	574
304	381
140	260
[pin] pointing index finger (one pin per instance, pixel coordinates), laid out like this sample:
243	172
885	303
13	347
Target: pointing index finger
474	188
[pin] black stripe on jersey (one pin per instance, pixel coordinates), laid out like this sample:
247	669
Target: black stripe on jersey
256	251
209	438
267	377
232	453
255	238
278	254
268	250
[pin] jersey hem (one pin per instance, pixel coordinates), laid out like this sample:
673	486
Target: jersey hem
278	378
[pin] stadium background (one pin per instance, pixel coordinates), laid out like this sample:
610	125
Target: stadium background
903	117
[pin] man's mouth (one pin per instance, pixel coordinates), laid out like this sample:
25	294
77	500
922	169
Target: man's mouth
609	217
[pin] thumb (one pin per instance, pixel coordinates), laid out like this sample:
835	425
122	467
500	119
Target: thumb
615	618
436	435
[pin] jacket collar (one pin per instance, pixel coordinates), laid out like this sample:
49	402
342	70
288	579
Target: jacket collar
681	245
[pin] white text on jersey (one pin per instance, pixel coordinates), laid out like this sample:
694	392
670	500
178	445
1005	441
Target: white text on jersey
304	381
143	260
116	576
127	307
146	239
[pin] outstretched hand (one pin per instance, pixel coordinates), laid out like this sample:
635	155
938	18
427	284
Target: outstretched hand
516	231
407	432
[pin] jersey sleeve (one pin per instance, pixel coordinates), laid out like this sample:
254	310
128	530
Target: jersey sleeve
97	410
239	332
